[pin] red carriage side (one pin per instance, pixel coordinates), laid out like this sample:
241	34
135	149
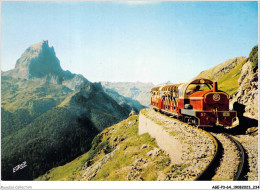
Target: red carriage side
198	101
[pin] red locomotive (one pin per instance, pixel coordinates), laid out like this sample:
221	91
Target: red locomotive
197	102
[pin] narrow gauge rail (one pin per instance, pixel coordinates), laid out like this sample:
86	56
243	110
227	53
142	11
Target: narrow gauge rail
217	163
242	157
218	169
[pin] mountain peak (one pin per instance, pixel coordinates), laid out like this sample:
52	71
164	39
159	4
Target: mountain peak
40	46
39	62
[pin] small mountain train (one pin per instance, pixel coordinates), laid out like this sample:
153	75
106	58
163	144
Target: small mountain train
198	102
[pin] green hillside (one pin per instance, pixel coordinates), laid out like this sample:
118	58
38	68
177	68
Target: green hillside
117	153
226	74
24	100
54	138
49	116
35	96
58	135
253	57
229	82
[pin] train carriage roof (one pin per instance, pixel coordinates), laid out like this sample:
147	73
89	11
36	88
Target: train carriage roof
156	88
183	88
167	87
174	87
170	87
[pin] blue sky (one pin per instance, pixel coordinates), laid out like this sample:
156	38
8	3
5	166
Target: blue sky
123	41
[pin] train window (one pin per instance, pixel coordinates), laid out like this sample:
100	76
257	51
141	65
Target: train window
206	86
198	87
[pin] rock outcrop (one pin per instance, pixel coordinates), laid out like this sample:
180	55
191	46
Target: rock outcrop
247	93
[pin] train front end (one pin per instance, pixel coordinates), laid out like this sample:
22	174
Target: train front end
208	106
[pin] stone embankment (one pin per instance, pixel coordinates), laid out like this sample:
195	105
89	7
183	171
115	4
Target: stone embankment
184	144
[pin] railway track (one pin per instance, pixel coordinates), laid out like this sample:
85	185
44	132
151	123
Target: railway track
228	161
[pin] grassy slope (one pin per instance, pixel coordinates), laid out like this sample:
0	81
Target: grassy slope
23	100
117	168
48	141
33	128
253	57
34	96
228	82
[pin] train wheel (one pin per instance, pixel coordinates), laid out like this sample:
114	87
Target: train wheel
189	120
155	109
180	118
195	122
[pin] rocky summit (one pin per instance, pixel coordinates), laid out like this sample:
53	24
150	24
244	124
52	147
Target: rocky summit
39	62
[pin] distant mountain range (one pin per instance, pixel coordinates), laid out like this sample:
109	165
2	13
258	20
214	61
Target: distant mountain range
135	90
50	116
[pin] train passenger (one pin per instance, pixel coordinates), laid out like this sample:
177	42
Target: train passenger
196	89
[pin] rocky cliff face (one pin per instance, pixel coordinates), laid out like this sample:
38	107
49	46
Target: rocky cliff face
39	63
247	93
